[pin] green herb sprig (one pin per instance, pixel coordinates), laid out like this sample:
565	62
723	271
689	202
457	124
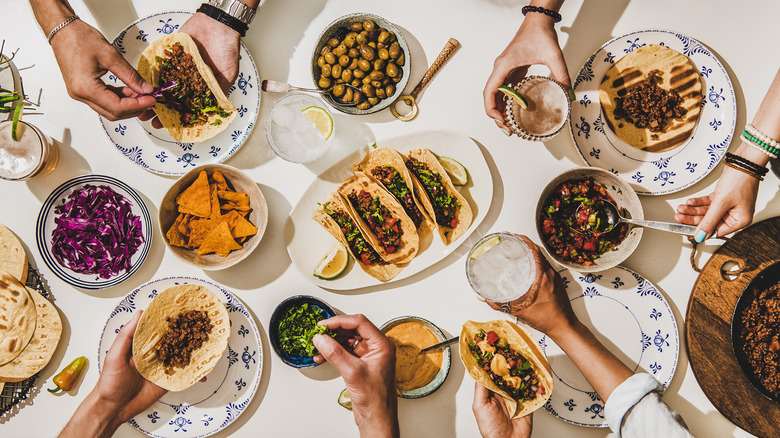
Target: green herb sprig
297	328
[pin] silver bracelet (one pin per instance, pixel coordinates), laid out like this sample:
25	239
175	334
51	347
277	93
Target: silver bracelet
59	27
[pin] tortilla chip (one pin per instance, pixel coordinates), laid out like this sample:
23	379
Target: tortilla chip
196	199
199	230
219	180
243	227
215	209
219	241
184	226
175	237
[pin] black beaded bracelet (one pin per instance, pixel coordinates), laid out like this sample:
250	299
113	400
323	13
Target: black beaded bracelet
223	17
548	12
746	164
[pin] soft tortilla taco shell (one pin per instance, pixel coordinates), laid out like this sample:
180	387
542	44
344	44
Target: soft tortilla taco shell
519	340
382	272
384	156
677	73
13	258
17	317
169	117
463	213
170	303
410	241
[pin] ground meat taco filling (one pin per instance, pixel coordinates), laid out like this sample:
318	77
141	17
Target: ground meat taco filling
507	368
186	332
379	219
355	240
761	334
391	179
646	105
445	205
191	97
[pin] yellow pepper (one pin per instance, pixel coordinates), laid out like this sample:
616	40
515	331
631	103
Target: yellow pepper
69	375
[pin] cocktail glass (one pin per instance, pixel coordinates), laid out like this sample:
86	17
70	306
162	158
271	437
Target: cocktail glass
32	154
501	268
291	135
547	112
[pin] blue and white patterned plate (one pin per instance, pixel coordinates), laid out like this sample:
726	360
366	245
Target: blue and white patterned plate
655	173
206	407
155	150
46	225
628	315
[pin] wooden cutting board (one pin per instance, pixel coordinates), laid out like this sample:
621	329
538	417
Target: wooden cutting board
708	329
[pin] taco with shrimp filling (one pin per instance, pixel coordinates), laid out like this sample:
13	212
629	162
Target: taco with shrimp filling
333	216
504	358
386	167
381	218
195	109
450	210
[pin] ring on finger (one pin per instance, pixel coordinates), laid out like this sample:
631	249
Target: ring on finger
505	307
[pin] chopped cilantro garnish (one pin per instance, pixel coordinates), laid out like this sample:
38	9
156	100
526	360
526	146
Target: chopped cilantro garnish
297	328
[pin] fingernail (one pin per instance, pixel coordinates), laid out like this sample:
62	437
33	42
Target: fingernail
700	236
572	97
507	133
147	87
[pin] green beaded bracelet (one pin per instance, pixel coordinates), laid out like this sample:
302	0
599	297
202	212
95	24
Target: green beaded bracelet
755	140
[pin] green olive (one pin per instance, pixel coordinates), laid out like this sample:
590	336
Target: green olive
363	106
391	38
379	64
376	84
373	100
348	95
380	46
366	80
390	90
383	36
387	80
401	59
330	58
357	27
333	42
392	69
355	83
325	50
394	50
340	50
321	61
353	64
354	53
349	40
376	75
368	25
368	90
396	79
358	97
380	92
363	64
358	73
383	54
343	60
372	44
337	71
367	52
325	82
338	90
346	75
361	39
326	71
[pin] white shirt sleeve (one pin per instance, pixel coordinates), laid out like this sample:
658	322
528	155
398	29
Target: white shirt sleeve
635	409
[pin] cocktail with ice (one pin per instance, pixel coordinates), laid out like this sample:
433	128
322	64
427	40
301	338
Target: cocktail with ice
501	268
298	128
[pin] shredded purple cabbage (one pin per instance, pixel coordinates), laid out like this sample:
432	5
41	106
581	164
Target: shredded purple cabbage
96	232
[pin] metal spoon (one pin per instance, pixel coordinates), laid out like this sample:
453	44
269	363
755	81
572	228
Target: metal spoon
440	344
282	87
614	218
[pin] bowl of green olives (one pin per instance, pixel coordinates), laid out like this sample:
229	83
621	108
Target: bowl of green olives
364	61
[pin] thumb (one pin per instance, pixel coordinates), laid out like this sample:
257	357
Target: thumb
117	65
709	221
559	70
333	352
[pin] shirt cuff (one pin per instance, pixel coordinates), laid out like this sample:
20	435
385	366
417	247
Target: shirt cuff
625	396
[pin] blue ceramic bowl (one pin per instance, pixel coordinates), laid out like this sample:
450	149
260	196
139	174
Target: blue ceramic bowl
273	329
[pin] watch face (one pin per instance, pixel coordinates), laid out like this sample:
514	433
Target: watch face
235	9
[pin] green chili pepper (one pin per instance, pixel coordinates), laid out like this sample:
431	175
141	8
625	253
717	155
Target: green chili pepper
69	375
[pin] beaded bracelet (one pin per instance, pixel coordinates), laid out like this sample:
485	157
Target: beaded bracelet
742	169
548	12
764	151
746	164
754	140
761	136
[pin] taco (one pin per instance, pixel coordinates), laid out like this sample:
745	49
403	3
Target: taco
433	187
195	109
504	358
651	98
335	218
181	336
386	167
381	219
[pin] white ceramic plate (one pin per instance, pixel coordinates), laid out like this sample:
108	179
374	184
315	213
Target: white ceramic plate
206	407
307	241
46	225
155	150
655	173
632	318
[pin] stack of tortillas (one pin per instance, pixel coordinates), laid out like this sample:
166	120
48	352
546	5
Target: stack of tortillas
30	325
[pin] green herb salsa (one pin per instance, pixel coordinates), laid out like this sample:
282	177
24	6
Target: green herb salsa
297	328
507	368
360	248
391	179
445	206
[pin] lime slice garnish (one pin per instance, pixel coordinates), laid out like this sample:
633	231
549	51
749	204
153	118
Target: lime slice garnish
345	400
518	98
15	122
484	247
457	172
321	119
333	264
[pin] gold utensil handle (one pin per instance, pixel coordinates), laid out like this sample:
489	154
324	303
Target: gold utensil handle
446	53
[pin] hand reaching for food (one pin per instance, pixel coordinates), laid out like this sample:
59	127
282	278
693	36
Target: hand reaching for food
493	418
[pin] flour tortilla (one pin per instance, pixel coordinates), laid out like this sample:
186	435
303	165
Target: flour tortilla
677	72
522	342
17	317
42	346
13	258
382	272
464	213
169	117
384	156
152	326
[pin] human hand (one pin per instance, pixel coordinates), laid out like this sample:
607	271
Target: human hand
493	418
368	372
84	56
536	42
729	208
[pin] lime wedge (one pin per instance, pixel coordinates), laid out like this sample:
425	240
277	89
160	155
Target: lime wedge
518	98
321	119
345	400
457	172
15	122
484	247
333	264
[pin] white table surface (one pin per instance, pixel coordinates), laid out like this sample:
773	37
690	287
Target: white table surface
303	403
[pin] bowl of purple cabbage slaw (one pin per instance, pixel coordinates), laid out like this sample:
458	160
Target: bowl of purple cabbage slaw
94	231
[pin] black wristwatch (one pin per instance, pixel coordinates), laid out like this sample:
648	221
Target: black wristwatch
231	13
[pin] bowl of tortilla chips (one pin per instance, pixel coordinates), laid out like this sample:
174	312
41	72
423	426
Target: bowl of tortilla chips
213	217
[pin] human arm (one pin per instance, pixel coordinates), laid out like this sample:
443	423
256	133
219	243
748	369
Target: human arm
493	417
536	42
731	205
84	56
368	372
120	394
